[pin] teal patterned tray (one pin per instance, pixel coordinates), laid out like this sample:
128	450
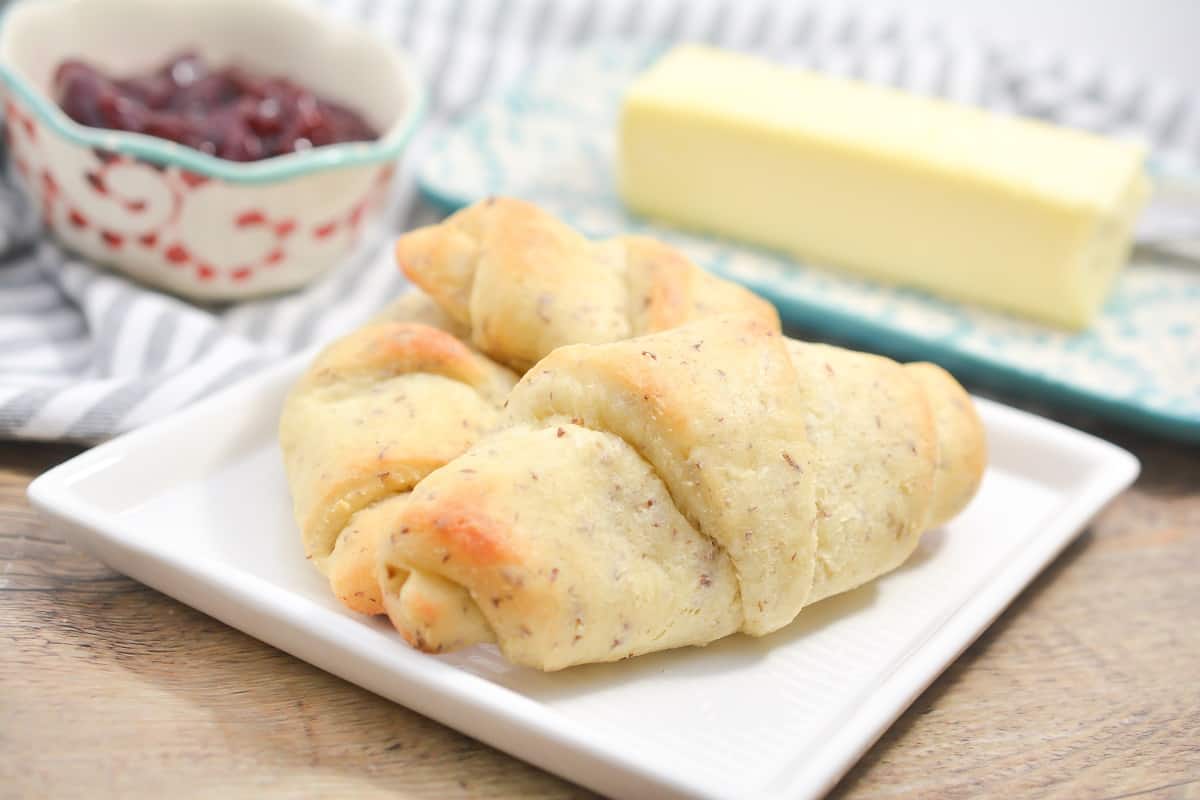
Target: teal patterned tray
551	141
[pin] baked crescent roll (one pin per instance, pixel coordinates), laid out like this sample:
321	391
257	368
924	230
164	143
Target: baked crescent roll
524	283
675	488
377	411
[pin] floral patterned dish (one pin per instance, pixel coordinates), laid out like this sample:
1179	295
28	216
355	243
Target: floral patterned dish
550	140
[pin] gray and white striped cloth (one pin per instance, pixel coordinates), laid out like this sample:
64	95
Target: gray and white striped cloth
85	354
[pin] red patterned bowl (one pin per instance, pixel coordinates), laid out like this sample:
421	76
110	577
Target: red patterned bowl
174	217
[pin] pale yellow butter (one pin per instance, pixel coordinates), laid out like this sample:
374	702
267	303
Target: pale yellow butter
1010	213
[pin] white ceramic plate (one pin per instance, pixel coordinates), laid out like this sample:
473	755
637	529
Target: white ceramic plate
197	507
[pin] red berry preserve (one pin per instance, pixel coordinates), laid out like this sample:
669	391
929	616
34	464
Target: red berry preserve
226	112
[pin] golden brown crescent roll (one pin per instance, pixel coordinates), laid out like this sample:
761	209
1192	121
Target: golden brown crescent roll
525	283
377	411
675	488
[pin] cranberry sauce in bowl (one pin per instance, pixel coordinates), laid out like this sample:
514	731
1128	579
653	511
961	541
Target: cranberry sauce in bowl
225	112
191	144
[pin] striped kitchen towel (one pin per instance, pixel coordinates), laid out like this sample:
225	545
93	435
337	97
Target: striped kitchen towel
86	354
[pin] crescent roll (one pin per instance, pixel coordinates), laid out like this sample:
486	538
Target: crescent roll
675	488
523	283
378	410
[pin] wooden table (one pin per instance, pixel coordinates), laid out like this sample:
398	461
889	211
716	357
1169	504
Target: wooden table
1089	686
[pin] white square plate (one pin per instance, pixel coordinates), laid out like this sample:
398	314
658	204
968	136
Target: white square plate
197	507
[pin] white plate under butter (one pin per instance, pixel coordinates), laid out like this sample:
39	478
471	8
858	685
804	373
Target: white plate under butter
196	506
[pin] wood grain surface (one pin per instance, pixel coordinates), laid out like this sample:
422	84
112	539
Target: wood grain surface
1088	687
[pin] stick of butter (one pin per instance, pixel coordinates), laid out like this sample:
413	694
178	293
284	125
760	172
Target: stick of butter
1010	213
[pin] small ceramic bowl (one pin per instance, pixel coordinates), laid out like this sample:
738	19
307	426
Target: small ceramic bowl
203	227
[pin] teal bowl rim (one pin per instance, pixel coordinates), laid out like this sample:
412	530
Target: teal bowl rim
269	170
